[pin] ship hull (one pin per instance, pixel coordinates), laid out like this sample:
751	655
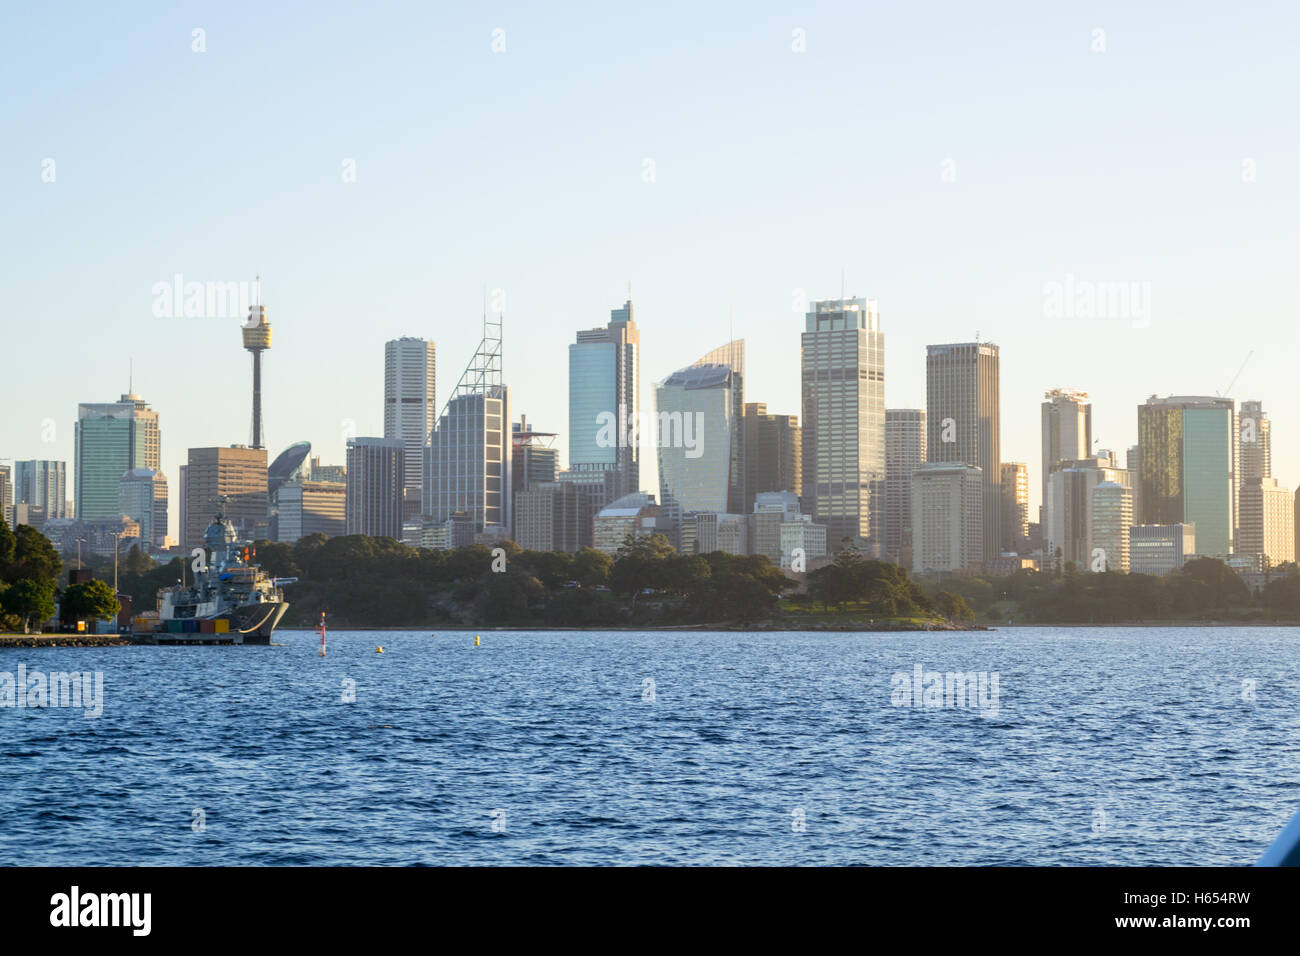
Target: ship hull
249	624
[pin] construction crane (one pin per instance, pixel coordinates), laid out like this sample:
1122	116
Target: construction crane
1224	393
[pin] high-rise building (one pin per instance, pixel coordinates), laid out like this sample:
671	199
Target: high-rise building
547	517
699	433
376	473
1256	442
42	484
963	421
904	454
1015	504
947	517
1188	449
6	495
1068	536
731	356
595	489
1133	464
256	334
843	384
535	459
467	462
605	402
409	407
237	473
1267	520
1067	434
142	496
1112	517
773	452
111	439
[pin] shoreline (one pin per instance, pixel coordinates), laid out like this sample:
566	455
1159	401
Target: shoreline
64	640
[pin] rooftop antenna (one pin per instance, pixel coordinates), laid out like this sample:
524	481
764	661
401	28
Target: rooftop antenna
841	287
130	376
257	289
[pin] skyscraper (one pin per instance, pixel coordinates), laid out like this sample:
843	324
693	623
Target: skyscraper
236	472
605	400
111	439
467	461
773	452
409	407
1068	535
1111	519
701	464
1256	442
142	496
1067	434
535	458
1015	504
42	484
963	421
843	384
1267	520
1188	456
376	473
904	454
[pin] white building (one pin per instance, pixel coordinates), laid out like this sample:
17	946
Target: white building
947	517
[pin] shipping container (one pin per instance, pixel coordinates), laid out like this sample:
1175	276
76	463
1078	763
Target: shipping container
207	627
223	626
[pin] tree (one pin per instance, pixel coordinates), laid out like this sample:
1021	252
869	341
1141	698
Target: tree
90	601
7	544
34	557
31	601
592	567
953	607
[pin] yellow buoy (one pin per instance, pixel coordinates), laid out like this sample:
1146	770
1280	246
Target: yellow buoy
379	650
476	643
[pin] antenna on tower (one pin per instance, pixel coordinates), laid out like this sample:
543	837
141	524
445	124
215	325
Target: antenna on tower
130	376
257	289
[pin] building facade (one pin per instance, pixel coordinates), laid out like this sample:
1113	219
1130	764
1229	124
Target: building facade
547	517
843	455
773	452
236	472
111	439
1111	517
1015	505
42	484
1066	434
376	476
947	517
605	400
963	421
1158	549
905	440
142	496
1267	521
410	393
1188	456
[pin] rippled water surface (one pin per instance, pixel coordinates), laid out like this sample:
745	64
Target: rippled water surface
1109	746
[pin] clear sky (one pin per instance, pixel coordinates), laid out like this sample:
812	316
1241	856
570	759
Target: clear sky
951	160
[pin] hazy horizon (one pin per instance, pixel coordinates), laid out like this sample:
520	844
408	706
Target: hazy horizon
958	166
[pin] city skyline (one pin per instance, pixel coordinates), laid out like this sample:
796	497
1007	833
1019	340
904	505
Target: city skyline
979	221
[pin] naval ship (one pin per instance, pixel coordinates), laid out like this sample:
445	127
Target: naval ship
230	601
